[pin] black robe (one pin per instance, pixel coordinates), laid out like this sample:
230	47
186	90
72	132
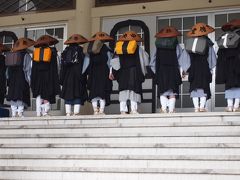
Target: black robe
228	67
2	79
99	84
130	76
200	75
45	79
167	71
18	87
72	80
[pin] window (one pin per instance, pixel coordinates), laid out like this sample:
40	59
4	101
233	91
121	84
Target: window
221	19
142	30
10	7
56	32
132	25
137	29
183	24
8	38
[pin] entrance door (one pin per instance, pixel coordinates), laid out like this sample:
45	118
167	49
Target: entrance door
183	24
219	19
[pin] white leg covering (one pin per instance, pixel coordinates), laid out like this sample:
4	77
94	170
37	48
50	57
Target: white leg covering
38	106
164	103
102	106
203	102
95	106
172	102
46	108
94	103
195	102
236	103
14	108
68	109
20	108
123	106
134	106
230	103
76	109
102	103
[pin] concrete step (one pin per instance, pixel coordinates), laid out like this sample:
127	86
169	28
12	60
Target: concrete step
124	151
123	170
41	175
199	146
126	131
120	157
214	133
137	140
123	145
128	119
76	125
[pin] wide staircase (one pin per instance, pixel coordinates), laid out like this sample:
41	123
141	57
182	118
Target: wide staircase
189	146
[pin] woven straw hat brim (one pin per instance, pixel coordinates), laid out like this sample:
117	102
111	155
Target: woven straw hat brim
167	35
234	24
76	39
46	40
200	29
130	36
168	31
102	36
102	39
22	43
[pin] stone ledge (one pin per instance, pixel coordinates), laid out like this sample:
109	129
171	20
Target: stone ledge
122	170
122	125
116	135
124	145
154	115
122	157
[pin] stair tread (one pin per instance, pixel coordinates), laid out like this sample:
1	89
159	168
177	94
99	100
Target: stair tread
123	170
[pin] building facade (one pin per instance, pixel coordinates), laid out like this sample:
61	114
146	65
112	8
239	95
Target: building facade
61	18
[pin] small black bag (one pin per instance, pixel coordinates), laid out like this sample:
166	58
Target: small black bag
229	40
70	55
93	47
197	45
166	42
